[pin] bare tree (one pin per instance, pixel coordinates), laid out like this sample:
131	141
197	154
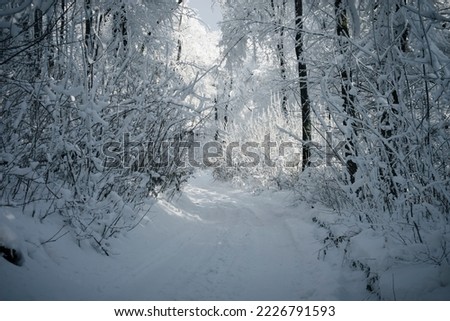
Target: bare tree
303	83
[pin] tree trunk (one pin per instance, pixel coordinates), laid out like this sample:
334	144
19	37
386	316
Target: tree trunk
88	42
343	33
302	76
37	39
179	44
280	51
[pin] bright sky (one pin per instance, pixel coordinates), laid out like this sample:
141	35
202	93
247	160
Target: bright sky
208	13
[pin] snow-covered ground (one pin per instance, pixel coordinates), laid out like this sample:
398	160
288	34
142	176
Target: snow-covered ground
214	242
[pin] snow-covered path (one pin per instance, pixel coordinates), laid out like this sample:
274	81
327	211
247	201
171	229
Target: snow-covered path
214	242
223	243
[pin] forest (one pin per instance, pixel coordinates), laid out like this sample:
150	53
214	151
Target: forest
111	107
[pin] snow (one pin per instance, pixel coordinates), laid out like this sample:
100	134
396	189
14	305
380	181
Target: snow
11	244
8	237
213	242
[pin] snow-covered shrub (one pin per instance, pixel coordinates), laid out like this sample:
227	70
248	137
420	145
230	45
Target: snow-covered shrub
86	113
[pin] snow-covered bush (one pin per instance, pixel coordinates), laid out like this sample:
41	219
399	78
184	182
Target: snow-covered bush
90	99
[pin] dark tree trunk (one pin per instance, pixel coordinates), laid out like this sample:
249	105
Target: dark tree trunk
37	38
303	83
343	33
120	26
88	42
